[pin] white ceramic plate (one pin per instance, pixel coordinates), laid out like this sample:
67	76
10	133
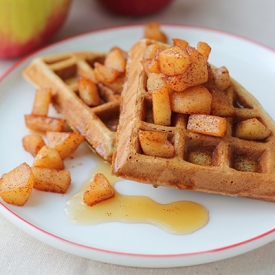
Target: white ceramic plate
236	225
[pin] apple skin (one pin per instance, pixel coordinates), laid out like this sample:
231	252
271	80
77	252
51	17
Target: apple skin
27	24
134	7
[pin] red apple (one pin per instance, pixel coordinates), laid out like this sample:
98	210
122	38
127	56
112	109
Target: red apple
27	24
134	7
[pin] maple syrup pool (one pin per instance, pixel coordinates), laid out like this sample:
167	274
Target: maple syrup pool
180	217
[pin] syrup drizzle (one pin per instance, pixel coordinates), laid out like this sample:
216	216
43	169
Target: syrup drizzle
181	217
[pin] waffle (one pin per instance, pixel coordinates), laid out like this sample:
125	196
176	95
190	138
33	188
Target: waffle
220	165
60	72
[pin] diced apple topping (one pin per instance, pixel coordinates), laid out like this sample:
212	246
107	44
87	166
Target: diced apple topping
252	129
194	100
207	124
116	59
152	31
88	92
104	74
181	80
221	78
41	102
48	158
221	104
33	143
156	144
174	61
51	180
161	107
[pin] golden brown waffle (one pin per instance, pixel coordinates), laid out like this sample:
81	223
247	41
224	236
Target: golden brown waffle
60	72
222	165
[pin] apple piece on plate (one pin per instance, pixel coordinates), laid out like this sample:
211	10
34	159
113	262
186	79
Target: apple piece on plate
51	180
32	143
48	158
44	123
99	190
64	142
26	25
16	186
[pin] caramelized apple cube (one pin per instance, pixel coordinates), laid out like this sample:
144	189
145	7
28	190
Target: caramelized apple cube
178	83
151	51
41	102
207	124
161	107
252	129
155	81
99	190
204	49
88	92
16	185
221	78
151	65
116	59
173	61
196	73
221	104
156	144
48	158
64	142
51	180
194	100
33	143
105	74
44	123
180	43
152	31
